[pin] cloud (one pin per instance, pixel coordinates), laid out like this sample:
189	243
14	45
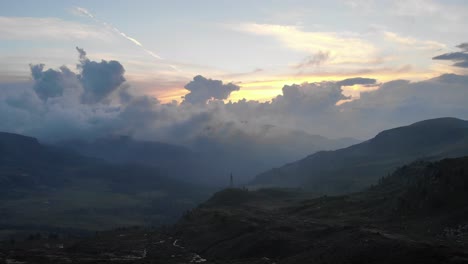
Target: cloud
85	12
460	58
362	6
31	28
343	48
413	42
243	136
51	83
463	46
99	79
243	74
446	11
402	102
308	98
203	89
95	101
95	80
416	7
314	60
357	80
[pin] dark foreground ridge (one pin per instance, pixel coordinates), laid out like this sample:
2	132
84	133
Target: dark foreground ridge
418	214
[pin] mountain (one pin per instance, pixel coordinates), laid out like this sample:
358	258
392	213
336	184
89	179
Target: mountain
416	214
44	186
123	149
209	160
24	162
177	162
354	168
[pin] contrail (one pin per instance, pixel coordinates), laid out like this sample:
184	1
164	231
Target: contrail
85	12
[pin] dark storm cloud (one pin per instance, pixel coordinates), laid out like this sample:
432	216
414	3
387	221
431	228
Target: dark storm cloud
357	80
203	89
460	58
314	60
49	83
99	79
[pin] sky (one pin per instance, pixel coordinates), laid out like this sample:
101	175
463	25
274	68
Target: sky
260	45
179	70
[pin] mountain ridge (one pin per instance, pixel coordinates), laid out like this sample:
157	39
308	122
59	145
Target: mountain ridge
358	166
49	186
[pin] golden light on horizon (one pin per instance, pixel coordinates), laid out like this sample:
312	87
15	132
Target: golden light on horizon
266	90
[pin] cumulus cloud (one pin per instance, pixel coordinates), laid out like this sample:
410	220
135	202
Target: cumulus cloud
308	98
49	83
99	79
95	102
344	47
460	58
95	80
203	89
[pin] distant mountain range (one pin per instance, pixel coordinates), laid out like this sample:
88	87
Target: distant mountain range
207	160
119	181
356	167
177	162
48	186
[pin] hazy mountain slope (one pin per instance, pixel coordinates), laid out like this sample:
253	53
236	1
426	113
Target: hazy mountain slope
44	186
360	165
175	161
26	163
210	160
126	150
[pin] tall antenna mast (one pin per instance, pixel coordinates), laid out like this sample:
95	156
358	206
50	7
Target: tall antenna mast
231	184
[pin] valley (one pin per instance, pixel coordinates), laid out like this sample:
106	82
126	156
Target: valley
383	224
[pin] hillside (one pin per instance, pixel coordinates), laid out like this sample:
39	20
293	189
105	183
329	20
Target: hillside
205	160
176	161
356	167
415	215
46	187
